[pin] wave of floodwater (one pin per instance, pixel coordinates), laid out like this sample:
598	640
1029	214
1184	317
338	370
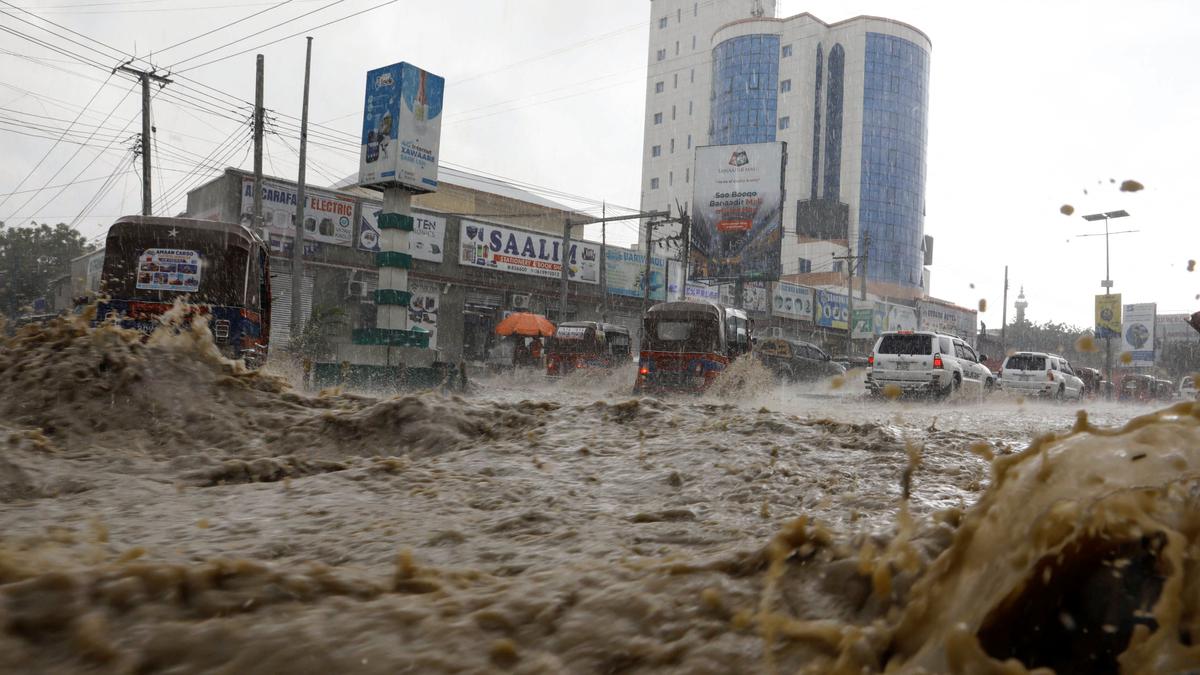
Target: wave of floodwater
163	509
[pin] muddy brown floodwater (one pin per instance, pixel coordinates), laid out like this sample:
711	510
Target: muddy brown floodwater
162	510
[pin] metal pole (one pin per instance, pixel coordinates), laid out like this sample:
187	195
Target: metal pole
646	273
1004	317
686	231
298	241
146	198
256	219
566	261
849	303
739	290
1107	337
604	259
862	274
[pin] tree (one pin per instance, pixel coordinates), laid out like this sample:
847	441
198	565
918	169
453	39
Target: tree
32	257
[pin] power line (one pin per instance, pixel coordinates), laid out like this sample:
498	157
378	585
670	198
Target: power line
231	23
260	32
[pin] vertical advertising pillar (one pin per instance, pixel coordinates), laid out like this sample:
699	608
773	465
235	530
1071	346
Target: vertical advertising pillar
402	119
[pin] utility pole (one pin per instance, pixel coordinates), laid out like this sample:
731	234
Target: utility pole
862	272
298	238
256	220
145	76
604	260
565	263
850	261
1004	318
646	275
685	232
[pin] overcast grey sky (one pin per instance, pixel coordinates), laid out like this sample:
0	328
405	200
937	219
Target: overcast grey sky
1032	103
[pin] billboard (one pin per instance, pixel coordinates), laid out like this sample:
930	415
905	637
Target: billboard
1108	316
427	241
423	307
737	211
625	274
1137	332
754	296
792	301
945	318
328	217
507	249
832	310
897	317
864	324
402	127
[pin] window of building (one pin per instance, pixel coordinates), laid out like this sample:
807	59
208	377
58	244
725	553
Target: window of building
689	141
658	87
662	22
658	118
837	264
695	9
662	54
785	122
670	178
805	266
672	112
653	183
675	84
689	108
687	175
672	145
677	48
655	151
693	43
785	86
787	51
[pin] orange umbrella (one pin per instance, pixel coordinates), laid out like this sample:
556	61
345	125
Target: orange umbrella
525	323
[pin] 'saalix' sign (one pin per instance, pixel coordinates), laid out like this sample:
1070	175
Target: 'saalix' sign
521	252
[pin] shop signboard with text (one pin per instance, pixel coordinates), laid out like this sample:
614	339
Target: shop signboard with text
832	310
625	274
328	217
506	249
427	241
792	301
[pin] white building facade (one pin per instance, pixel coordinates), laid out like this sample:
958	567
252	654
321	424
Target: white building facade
850	99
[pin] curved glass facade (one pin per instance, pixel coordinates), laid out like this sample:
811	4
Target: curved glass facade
816	143
745	86
833	121
892	204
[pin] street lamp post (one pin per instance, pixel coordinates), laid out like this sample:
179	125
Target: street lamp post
1107	283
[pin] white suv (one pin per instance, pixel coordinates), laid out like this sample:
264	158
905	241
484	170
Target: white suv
1187	389
925	362
1040	374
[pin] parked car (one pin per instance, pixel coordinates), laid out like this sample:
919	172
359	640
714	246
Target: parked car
1138	388
850	362
1093	381
1040	374
794	360
1164	390
1187	389
925	362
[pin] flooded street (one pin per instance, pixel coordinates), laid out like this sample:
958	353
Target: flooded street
164	512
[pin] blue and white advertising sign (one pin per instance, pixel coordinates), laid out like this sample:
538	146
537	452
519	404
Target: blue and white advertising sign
402	126
701	293
792	301
534	253
625	274
1137	332
832	310
427	241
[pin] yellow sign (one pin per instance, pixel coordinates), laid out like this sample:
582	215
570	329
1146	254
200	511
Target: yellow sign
1108	316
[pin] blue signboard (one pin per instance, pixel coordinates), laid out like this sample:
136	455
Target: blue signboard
832	310
402	124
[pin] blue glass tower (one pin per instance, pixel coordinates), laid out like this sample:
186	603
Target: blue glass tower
745	90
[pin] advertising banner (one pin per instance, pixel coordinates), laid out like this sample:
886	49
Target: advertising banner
702	293
897	317
625	274
1137	332
864	324
754	296
426	241
1108	316
832	310
533	253
674	276
792	301
423	307
402	127
328	218
168	269
949	319
737	211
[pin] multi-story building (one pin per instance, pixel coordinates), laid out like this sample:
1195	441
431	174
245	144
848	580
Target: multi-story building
850	99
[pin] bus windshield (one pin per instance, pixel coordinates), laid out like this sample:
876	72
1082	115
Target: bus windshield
695	332
158	263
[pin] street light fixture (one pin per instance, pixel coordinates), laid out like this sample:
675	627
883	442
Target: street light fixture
1107	283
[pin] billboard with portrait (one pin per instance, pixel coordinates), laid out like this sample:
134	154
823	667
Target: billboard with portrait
1137	333
737	212
402	126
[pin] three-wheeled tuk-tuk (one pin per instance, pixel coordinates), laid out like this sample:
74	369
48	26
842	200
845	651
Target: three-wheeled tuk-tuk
221	270
578	345
686	345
